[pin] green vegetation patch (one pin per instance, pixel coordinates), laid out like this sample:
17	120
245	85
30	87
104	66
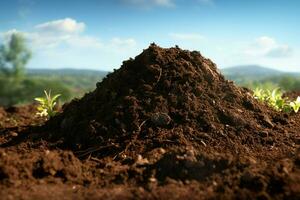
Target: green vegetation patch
274	98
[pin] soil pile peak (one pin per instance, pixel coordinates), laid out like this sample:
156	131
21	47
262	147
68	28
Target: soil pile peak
162	97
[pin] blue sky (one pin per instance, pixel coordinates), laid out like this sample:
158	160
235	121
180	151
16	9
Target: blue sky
98	34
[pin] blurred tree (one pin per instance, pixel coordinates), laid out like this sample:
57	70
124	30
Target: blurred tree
15	87
14	56
25	90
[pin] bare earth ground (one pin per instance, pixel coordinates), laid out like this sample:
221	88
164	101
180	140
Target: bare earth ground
166	125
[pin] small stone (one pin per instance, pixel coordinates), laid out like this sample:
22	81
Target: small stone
141	160
52	172
264	134
285	170
160	119
190	153
239	110
14	134
162	151
147	87
152	179
267	121
123	156
252	160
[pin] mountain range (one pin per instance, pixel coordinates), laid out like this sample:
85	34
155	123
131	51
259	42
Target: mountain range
236	73
253	72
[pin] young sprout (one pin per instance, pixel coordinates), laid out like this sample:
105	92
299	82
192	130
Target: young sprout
260	94
47	104
295	105
275	100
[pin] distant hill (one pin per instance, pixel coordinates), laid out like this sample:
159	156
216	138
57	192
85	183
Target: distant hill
67	72
76	81
246	73
250	71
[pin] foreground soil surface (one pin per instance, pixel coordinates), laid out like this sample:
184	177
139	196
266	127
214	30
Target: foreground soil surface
166	125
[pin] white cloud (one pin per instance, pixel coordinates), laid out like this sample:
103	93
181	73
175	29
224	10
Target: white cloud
268	47
280	51
62	26
63	43
150	3
41	41
265	41
57	33
84	42
130	42
5	36
194	37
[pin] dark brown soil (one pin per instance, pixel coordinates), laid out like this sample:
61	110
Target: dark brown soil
166	125
21	116
16	119
292	95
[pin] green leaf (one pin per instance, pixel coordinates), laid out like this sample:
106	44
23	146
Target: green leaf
39	99
46	105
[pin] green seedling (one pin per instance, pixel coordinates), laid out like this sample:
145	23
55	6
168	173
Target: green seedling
260	94
295	105
272	98
47	104
275	99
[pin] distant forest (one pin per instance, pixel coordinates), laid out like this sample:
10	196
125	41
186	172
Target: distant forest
256	76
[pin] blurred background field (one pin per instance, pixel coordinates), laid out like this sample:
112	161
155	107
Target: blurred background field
19	85
69	83
253	76
73	83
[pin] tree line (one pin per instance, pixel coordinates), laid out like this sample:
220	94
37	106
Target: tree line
15	86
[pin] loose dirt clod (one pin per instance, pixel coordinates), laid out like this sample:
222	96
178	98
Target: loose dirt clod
168	125
160	119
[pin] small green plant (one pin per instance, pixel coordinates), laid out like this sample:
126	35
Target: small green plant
275	99
295	105
260	94
47	104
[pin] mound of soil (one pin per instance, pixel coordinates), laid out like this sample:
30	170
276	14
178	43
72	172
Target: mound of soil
166	125
163	95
